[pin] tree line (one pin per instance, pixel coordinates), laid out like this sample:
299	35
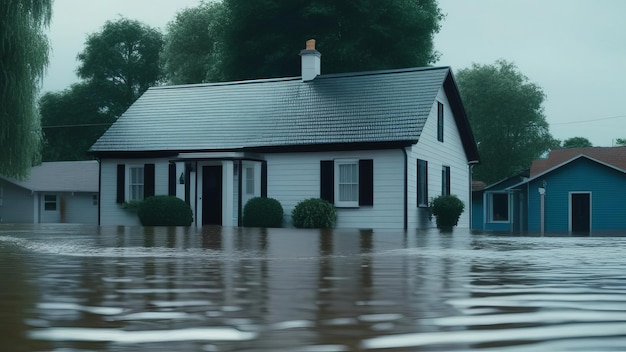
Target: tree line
236	40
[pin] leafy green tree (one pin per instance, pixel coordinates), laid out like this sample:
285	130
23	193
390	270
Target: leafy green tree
620	142
73	120
506	114
121	62
576	142
191	52
23	59
263	37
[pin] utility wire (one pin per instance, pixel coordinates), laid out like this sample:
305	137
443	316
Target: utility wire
585	121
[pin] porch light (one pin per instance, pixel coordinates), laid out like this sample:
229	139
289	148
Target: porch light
181	179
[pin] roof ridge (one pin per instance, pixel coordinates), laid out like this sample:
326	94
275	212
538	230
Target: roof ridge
283	79
380	72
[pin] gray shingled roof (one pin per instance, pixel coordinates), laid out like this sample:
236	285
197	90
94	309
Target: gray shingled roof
61	176
380	106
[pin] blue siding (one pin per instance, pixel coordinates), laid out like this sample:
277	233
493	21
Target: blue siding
608	194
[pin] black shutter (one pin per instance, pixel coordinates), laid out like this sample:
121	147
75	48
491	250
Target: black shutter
121	183
148	180
171	188
366	182
327	180
264	179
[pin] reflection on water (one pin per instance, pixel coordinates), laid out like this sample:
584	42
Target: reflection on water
73	288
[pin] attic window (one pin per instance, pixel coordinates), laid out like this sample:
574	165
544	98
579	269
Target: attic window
439	121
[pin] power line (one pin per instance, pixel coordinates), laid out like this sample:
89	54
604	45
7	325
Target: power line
78	125
585	121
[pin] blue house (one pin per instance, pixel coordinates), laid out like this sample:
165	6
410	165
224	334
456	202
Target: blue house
583	191
492	206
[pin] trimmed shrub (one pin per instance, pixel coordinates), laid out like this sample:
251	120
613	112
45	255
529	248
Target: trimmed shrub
164	211
447	210
314	213
262	212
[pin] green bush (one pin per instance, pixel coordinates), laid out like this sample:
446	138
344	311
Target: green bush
314	213
447	210
262	212
164	211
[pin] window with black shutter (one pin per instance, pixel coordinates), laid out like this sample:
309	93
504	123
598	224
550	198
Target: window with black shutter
347	182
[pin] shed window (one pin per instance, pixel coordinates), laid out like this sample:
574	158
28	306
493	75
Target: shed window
499	207
50	202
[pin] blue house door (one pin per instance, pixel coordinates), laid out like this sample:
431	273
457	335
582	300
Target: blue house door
581	212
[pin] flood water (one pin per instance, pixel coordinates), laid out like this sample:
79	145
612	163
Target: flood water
76	288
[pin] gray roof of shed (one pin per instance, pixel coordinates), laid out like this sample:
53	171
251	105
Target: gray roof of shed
365	107
61	176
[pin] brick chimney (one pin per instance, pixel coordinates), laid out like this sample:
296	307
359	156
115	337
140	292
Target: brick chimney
311	61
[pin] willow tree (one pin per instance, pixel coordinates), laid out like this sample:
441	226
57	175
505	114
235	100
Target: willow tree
23	59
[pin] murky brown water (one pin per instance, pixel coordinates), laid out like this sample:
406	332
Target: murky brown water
73	288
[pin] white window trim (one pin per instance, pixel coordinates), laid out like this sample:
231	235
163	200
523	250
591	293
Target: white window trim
338	202
129	169
490	208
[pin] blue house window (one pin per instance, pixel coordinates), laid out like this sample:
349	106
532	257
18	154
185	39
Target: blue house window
498	207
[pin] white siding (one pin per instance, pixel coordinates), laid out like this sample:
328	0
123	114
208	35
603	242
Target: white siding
294	177
449	153
112	213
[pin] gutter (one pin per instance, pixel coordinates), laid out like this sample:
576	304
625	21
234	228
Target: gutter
406	189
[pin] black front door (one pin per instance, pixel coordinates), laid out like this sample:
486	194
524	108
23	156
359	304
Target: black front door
581	213
212	195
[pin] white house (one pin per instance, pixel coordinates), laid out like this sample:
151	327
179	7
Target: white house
54	192
379	145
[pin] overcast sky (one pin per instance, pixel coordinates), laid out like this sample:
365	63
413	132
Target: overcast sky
573	49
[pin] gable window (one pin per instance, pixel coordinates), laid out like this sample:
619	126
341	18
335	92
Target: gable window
439	122
498	207
422	183
347	182
445	181
50	202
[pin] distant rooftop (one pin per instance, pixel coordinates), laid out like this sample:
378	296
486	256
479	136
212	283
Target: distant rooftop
61	176
615	156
